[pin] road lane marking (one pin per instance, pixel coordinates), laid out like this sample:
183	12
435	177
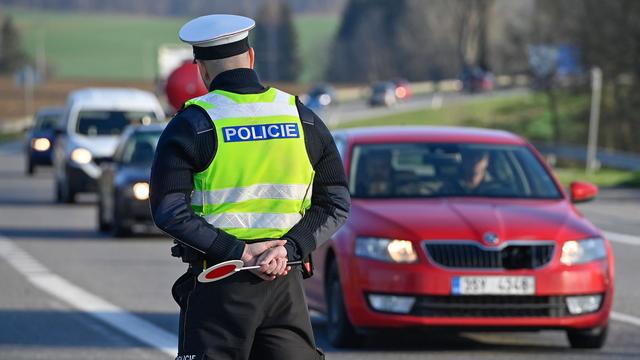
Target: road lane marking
88	303
625	318
622	238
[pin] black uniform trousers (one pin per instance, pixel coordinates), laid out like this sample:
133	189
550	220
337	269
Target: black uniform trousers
243	317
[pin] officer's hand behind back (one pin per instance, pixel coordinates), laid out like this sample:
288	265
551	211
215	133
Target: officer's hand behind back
273	261
253	250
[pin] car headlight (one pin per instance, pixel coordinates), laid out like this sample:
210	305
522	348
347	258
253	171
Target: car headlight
81	156
391	250
40	144
141	190
582	251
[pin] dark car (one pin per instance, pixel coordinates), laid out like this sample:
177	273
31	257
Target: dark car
123	187
477	79
41	138
320	96
383	93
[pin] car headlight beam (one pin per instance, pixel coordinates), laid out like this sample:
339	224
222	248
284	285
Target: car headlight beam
41	144
390	250
81	156
141	190
583	251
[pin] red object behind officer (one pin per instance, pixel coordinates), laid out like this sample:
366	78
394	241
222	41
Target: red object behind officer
184	84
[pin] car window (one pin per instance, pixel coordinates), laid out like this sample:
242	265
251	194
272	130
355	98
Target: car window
47	121
448	169
96	123
140	149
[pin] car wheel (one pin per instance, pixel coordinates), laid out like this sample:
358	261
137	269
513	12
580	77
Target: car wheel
340	331
103	226
30	168
119	228
65	193
588	339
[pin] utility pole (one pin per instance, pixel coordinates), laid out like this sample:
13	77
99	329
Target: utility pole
594	120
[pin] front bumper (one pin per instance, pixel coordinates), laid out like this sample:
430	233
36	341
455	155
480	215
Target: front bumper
82	178
436	306
133	211
40	157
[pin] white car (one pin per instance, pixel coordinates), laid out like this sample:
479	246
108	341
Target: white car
91	125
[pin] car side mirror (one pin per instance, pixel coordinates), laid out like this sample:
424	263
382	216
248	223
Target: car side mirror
582	191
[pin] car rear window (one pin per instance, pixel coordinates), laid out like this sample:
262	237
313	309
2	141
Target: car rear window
448	169
97	123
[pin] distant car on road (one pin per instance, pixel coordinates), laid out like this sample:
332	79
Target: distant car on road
463	228
123	187
41	138
320	96
475	79
383	93
92	123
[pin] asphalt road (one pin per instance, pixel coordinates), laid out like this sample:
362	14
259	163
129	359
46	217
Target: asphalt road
358	110
69	292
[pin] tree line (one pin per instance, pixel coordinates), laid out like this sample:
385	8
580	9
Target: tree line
175	7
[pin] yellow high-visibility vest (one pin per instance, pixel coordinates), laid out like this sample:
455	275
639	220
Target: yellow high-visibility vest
259	183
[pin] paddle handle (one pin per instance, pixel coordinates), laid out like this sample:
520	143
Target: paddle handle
299	262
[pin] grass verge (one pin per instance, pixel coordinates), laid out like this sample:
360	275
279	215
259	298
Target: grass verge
8	137
603	177
120	46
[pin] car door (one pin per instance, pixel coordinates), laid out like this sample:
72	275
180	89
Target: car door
315	286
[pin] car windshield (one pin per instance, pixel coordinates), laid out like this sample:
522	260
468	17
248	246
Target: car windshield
448	169
140	148
98	122
381	87
47	121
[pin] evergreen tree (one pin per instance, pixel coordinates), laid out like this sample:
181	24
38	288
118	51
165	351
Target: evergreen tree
275	43
12	56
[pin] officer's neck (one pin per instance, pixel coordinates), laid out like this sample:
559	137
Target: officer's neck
241	80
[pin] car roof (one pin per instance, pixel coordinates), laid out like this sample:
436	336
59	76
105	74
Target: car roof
386	134
115	97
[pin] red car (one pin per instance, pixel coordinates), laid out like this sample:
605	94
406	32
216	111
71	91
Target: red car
464	228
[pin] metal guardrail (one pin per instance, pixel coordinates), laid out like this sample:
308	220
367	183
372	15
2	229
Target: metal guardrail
353	93
606	158
15	125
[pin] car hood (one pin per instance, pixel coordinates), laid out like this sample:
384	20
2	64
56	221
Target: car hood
133	174
469	219
99	146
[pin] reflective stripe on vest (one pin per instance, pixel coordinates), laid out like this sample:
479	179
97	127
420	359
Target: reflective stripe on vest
260	181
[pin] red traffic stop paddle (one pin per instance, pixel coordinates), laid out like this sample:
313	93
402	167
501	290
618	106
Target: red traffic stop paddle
228	268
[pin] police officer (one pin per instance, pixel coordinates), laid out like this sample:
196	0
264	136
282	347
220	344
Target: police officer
244	172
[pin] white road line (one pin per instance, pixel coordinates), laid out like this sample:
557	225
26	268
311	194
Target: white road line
622	238
629	319
87	302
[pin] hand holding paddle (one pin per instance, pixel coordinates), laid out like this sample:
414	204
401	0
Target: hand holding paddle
228	268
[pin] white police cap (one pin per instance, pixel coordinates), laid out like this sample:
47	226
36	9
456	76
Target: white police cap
217	36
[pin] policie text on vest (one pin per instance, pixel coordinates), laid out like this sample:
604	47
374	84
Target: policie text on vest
260	132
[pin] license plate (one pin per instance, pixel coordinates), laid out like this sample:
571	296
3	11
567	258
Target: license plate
493	285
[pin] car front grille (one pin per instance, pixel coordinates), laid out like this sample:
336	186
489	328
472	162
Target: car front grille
490	306
471	255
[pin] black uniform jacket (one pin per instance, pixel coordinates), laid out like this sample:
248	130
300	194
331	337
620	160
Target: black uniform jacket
188	145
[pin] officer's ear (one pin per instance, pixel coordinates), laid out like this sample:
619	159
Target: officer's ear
252	57
204	72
